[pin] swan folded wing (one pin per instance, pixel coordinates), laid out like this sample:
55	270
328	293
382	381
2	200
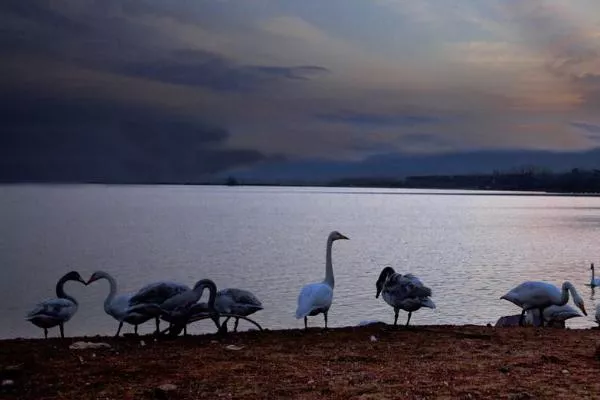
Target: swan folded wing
240	296
157	292
316	296
407	286
180	301
56	308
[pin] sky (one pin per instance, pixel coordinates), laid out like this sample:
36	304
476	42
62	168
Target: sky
214	85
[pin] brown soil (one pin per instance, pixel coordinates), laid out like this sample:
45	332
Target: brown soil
446	362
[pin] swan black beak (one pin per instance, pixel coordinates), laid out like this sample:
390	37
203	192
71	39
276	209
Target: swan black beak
344	237
583	309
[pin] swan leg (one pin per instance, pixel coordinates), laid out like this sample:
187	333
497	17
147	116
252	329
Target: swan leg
409	315
325	316
225	322
185	330
135	329
541	317
396	310
62	331
45	333
237	321
119	329
305	322
522	319
157	332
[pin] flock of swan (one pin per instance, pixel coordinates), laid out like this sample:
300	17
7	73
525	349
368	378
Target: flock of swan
179	304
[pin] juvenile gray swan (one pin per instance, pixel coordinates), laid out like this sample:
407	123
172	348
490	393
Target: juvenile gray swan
316	298
403	292
238	302
57	311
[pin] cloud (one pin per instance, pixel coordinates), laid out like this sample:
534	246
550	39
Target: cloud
363	119
93	141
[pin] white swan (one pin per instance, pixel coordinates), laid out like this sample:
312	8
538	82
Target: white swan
118	306
553	315
53	312
156	294
316	298
177	309
237	301
594	281
405	292
541	295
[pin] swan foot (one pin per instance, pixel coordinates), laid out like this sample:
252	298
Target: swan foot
305	323
62	331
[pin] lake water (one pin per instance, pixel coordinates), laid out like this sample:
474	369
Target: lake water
469	247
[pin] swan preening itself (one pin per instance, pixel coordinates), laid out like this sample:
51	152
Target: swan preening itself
541	295
53	312
118	306
403	292
316	298
594	281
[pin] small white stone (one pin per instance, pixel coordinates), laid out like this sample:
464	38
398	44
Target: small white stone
142	343
373	338
8	382
565	371
167	387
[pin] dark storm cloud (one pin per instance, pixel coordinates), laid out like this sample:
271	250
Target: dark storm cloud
363	119
202	68
78	140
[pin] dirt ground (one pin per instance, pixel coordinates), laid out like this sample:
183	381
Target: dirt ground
372	362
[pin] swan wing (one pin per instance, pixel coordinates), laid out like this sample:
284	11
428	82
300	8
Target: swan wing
406	286
315	296
180	301
157	293
240	296
62	309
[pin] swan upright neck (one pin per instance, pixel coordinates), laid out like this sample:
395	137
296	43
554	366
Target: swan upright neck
329	280
60	290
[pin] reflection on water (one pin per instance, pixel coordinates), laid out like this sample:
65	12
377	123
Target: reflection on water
470	249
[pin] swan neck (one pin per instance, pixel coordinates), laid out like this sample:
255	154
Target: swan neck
212	292
60	290
329	265
113	290
566	288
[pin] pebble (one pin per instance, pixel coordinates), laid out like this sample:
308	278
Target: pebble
373	338
8	383
234	347
142	343
167	387
565	371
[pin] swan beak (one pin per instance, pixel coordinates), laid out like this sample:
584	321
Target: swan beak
84	282
344	237
583	309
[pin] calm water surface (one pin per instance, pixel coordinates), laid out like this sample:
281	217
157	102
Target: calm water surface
469	247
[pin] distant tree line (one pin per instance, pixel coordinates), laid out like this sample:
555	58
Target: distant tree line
524	179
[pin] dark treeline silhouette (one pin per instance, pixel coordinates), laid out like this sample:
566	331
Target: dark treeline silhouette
574	181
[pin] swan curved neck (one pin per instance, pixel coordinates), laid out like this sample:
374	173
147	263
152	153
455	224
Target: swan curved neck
60	290
566	288
212	291
113	289
329	265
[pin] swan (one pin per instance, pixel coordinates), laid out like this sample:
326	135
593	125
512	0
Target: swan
405	292
57	311
594	281
155	294
316	298
597	315
237	301
178	308
541	295
553	315
118	306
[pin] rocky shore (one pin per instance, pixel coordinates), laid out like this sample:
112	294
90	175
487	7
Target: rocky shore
370	362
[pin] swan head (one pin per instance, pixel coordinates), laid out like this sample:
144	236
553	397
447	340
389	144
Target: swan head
95	276
592	266
74	276
335	235
383	276
579	303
